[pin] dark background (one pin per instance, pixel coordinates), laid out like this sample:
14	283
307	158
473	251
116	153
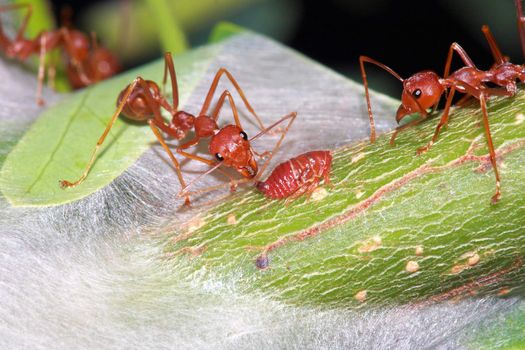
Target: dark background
408	36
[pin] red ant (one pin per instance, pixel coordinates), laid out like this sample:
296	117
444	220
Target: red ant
84	66
141	101
297	176
424	89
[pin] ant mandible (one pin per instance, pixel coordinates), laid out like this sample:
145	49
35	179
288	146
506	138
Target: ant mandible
86	64
142	101
424	89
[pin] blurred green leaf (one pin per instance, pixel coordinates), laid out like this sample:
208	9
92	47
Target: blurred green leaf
224	30
171	34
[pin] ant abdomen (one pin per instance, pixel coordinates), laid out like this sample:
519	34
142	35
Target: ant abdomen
137	107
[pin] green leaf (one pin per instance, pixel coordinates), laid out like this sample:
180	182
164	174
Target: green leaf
41	17
225	30
59	144
395	227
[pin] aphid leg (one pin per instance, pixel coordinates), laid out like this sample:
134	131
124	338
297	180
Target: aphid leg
158	118
483	102
213	87
521	24
153	125
170	67
326	175
443	121
306	188
362	60
494	48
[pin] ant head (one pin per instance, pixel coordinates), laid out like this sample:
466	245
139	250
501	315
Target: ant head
230	145
420	91
137	107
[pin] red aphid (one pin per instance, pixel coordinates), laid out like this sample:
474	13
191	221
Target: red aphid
298	175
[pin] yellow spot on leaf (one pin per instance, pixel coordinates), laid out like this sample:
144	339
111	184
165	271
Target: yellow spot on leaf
360	296
519	118
231	220
319	193
194	224
370	245
473	260
458	269
412	266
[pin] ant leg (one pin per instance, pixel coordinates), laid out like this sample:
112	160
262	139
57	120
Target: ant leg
482	100
521	24
153	125
184	191
215	113
170	67
403	127
68	43
233	182
23	25
291	116
94	49
213	87
455	47
51	73
494	48
159	121
41	69
362	60
443	121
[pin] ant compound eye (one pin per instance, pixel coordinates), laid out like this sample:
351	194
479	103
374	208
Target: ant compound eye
219	157
417	93
244	135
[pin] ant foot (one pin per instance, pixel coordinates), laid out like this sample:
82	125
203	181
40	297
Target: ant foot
233	186
65	184
187	201
393	139
423	149
495	198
